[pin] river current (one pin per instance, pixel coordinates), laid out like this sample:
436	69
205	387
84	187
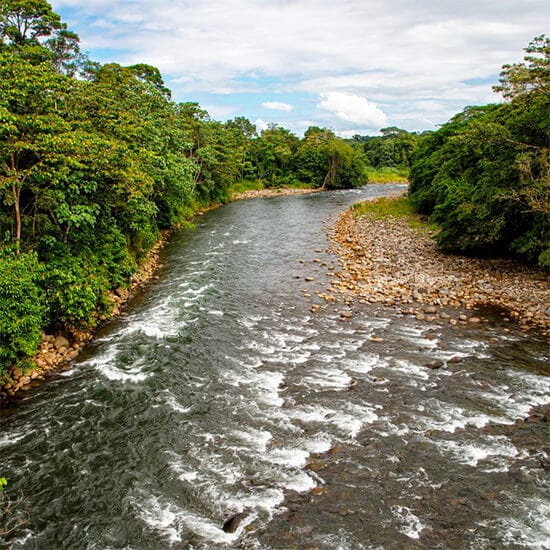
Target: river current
220	392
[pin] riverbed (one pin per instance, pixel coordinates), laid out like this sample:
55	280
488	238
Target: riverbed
221	392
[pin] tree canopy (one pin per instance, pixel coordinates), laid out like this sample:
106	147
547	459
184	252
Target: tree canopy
485	175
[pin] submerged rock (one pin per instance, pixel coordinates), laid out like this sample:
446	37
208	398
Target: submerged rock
232	523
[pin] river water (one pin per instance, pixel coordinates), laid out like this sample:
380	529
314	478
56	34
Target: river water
220	392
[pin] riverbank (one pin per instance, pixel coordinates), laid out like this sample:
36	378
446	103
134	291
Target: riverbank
388	262
57	350
256	193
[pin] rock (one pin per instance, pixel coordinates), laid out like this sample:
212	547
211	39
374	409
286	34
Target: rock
420	317
462	317
456	359
319	491
61	342
24	380
232	524
474	320
435	364
430	309
346	315
310	279
376	339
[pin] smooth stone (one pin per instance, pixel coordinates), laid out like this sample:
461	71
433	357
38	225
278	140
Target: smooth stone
435	364
61	342
232	524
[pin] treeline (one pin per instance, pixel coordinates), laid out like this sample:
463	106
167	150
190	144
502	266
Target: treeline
394	148
485	175
96	160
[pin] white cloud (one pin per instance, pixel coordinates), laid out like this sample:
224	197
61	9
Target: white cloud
393	52
353	109
261	125
220	111
277	106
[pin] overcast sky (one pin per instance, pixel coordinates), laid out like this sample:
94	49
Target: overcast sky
351	65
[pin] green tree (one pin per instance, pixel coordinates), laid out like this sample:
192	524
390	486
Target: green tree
532	75
27	21
485	175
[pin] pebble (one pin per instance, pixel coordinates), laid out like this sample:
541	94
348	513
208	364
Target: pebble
388	262
56	351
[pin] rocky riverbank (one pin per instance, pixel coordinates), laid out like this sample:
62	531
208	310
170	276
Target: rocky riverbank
57	350
386	261
256	193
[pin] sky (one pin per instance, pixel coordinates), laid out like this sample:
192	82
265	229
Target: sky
354	66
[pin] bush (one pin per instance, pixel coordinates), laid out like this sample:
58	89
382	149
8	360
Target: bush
72	293
21	308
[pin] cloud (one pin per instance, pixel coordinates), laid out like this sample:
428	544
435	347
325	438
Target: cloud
261	125
277	106
220	111
353	109
396	53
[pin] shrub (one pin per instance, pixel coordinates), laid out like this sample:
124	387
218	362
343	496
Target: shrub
21	307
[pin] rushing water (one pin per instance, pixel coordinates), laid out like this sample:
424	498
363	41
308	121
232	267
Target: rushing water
221	392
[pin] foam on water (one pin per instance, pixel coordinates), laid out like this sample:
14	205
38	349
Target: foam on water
409	524
170	521
296	458
256	439
471	453
299	481
263	499
215	312
173	403
527	391
411	370
161	516
330	379
108	365
365	363
529	526
415	335
448	418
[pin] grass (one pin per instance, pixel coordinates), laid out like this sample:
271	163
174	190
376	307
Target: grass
399	208
242	186
258	185
387	175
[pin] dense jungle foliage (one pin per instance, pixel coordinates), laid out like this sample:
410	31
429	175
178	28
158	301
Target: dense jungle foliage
96	160
485	175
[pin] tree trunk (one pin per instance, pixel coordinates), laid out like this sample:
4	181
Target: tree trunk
16	191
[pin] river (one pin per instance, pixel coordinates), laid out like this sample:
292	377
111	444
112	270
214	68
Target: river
221	392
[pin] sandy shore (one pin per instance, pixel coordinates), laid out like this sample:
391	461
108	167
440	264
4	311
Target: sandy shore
386	261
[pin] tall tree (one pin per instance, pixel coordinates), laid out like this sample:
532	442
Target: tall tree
27	21
532	75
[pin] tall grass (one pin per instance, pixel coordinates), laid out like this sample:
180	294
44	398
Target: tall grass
387	175
394	207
